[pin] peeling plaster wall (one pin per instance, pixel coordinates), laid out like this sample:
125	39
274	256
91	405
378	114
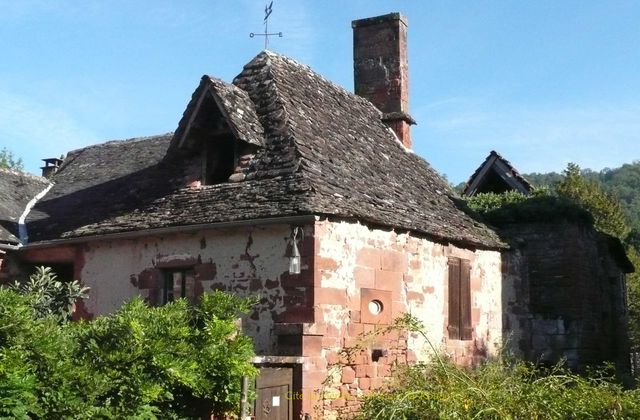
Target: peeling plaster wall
354	261
245	261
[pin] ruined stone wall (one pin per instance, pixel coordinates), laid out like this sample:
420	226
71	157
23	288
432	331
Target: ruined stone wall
563	296
356	264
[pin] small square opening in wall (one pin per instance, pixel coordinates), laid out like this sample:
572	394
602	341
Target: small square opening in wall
375	306
377	353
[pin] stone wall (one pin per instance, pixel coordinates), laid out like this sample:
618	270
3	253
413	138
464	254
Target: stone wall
564	296
356	264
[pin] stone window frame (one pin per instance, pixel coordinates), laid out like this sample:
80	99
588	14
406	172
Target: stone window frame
459	323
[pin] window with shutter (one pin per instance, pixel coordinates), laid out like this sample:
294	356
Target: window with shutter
459	283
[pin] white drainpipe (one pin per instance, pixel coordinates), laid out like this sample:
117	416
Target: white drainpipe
22	227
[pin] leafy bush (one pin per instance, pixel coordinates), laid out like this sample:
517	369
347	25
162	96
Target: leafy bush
540	206
49	296
499	390
502	388
174	361
486	202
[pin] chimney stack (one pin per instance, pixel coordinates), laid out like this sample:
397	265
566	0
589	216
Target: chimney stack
50	167
381	72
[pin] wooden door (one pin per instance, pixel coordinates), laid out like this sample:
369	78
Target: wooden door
274	390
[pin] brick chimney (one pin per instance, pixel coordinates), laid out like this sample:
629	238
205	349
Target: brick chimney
381	69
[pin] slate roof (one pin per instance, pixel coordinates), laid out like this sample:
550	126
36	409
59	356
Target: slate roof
496	167
323	151
16	190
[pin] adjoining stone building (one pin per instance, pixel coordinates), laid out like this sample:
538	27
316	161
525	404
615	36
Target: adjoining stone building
564	293
284	185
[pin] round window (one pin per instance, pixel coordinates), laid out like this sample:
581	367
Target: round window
375	307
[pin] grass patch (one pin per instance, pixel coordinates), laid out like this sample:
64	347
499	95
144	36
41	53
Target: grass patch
499	390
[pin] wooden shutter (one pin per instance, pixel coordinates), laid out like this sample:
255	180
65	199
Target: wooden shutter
190	286
178	284
454	298
465	300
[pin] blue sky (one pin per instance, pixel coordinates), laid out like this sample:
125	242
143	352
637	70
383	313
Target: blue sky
542	82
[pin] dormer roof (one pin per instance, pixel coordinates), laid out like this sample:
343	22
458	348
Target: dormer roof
230	104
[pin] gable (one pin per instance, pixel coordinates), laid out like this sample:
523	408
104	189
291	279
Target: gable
218	108
496	175
220	129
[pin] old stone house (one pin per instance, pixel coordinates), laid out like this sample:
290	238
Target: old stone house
283	185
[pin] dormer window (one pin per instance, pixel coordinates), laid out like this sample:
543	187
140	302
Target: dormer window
218	135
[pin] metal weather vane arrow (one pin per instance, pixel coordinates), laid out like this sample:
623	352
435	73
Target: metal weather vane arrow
268	9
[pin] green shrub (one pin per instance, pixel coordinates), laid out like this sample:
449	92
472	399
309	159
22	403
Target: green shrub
174	361
49	296
514	207
606	209
502	388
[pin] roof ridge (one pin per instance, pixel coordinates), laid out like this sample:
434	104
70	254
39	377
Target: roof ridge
24	174
120	141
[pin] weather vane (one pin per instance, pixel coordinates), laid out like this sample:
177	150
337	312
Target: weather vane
266	34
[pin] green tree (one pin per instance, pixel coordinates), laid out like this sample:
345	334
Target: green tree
622	182
8	161
633	297
605	208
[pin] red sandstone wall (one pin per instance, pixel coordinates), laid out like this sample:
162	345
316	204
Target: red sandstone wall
354	265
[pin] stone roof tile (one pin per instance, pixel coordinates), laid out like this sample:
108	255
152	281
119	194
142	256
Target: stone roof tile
16	190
